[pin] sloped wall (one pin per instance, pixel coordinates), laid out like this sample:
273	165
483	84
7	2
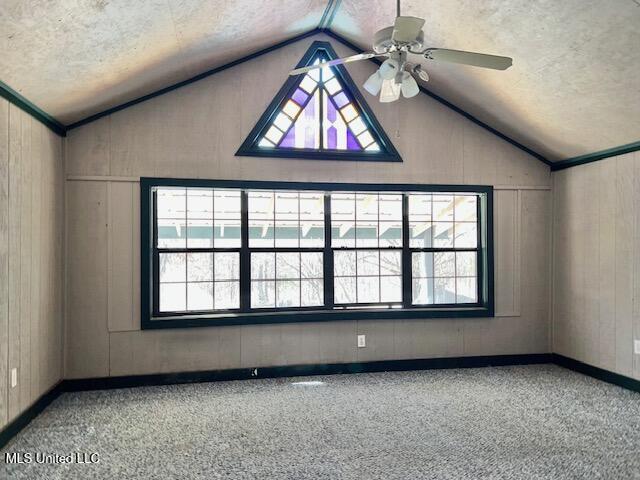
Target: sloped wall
31	256
596	261
194	132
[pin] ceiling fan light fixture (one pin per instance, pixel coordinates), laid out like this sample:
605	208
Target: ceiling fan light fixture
373	83
389	69
409	86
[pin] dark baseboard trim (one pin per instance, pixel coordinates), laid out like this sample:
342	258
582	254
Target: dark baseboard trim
76	385
301	370
596	372
22	420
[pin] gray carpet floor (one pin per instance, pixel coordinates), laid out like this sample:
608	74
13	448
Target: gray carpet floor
529	422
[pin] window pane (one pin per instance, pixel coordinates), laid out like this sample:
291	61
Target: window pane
466	264
286	205
442	208
343	214
200	296
420	234
345	290
466	290
391	263
263	265
173	297
200	267
466	208
444	264
171	203
391	289
311	206
199	233
261	233
368	289
422	264
422	291
443	234
366	234
390	234
172	233
390	207
173	267
311	233
288	293
445	290
287	233
227	218
199	204
263	294
466	235
344	263
227	295
367	206
368	262
311	293
311	265
288	265
227	266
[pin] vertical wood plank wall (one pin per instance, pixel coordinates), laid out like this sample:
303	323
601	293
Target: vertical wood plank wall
194	132
31	259
596	261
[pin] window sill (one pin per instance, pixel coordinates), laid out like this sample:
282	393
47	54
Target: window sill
188	321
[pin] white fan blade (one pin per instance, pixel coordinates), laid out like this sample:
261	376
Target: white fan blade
406	29
390	91
468	58
337	61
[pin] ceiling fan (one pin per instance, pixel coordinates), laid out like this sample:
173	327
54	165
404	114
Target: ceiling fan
395	74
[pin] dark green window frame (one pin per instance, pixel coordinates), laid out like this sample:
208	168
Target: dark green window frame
152	319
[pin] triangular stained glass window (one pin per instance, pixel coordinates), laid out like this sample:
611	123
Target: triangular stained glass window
320	114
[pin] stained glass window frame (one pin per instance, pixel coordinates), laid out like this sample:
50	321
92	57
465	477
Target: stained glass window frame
319	51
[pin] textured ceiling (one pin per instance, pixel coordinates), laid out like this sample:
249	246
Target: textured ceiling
76	58
574	87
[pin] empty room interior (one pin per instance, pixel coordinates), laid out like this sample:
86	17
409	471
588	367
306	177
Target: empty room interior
318	239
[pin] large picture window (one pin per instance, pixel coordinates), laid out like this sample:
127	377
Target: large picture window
227	252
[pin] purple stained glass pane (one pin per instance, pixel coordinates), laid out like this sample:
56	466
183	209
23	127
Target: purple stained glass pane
310	109
352	143
331	112
299	97
289	139
332	138
309	138
340	99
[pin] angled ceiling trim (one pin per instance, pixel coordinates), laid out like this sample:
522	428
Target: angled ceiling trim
595	156
21	102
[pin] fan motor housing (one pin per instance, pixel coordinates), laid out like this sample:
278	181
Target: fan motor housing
383	43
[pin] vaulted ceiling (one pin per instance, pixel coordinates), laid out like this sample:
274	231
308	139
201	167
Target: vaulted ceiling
573	89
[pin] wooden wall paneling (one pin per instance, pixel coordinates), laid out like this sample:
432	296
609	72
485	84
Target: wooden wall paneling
607	212
533	266
625	209
15	200
590	238
506	263
87	339
4	260
37	132
24	377
417	338
88	148
120	256
135	270
379	336
636	262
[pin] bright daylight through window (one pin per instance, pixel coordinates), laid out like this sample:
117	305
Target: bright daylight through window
221	250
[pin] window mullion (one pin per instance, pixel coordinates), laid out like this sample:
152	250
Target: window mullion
245	255
328	255
406	254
